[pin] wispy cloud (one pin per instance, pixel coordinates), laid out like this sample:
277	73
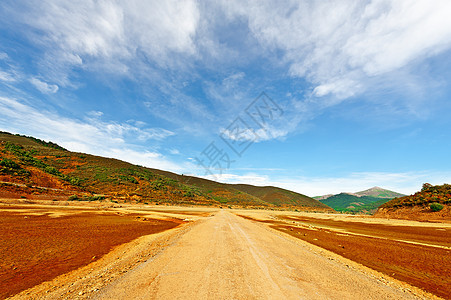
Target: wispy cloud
174	151
6	76
144	158
405	182
341	48
337	45
108	35
44	87
254	135
91	136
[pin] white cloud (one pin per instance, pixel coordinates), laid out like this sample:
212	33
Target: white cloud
407	183
95	114
254	135
250	178
108	35
174	151
144	158
125	130
228	92
44	87
6	76
342	88
93	136
337	45
161	26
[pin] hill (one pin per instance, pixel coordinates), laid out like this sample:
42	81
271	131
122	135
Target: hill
323	197
35	169
349	203
366	201
429	204
379	193
278	196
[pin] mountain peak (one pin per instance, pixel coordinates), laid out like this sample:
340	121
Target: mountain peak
379	193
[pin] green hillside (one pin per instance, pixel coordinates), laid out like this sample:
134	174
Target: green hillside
30	167
350	203
366	201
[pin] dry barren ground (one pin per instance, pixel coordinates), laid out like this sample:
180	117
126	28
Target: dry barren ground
216	254
415	252
40	242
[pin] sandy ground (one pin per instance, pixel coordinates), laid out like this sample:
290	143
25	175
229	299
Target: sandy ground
216	254
39	243
410	251
271	215
222	256
230	257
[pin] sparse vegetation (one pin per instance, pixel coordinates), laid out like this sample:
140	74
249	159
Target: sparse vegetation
10	167
27	158
126	182
440	194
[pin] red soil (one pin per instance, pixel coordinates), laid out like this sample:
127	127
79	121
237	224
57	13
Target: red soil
37	248
417	213
430	235
426	267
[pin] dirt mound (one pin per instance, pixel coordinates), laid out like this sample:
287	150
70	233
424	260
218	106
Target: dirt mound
417	213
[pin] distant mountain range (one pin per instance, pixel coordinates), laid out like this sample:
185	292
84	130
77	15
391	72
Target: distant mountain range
34	169
366	201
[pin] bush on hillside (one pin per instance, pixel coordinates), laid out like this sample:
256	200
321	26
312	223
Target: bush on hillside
429	194
8	163
436	206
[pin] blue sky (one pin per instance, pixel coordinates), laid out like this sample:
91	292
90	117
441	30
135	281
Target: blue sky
358	92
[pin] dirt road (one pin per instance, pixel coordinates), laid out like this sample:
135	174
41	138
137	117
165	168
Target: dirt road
227	257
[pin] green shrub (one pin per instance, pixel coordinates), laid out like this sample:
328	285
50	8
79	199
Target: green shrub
7	163
436	206
75	181
190	192
52	171
128	179
10	167
73	198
